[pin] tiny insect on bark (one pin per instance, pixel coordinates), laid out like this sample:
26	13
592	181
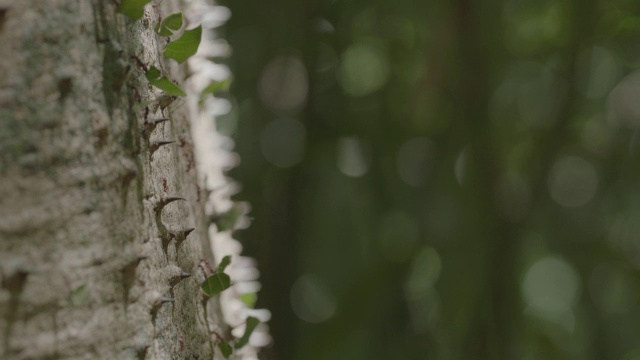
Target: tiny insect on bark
139	63
206	267
166	100
163	101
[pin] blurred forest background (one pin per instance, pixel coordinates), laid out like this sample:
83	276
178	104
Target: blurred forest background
441	179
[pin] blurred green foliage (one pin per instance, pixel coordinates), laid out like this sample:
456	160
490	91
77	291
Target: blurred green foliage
441	179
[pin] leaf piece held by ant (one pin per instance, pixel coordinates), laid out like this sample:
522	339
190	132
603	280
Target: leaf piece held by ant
155	78
134	9
170	24
186	46
251	325
217	87
225	348
218	281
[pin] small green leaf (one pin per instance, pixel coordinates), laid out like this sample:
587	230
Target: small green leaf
156	79
251	325
185	46
225	348
216	283
224	263
217	87
228	220
169	25
249	299
133	8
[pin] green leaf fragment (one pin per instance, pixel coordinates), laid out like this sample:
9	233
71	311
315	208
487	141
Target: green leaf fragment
228	220
224	263
153	74
216	283
184	47
225	348
249	299
251	325
156	79
169	25
133	8
217	87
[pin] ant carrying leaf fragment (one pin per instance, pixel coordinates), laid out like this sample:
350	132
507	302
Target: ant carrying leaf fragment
218	281
185	46
225	348
232	219
134	9
169	25
163	101
155	78
251	325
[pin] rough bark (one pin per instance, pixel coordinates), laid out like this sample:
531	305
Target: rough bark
91	259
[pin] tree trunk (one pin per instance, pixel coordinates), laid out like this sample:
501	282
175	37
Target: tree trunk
96	258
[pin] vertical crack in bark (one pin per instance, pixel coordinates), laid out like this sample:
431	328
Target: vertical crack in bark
14	283
3	15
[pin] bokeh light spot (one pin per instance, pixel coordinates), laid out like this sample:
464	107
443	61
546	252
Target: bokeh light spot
425	271
323	26
282	142
425	312
364	69
623	107
352	158
530	89
311	300
550	286
572	181
284	84
598	72
534	25
461	165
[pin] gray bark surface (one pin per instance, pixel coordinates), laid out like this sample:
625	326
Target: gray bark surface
90	258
